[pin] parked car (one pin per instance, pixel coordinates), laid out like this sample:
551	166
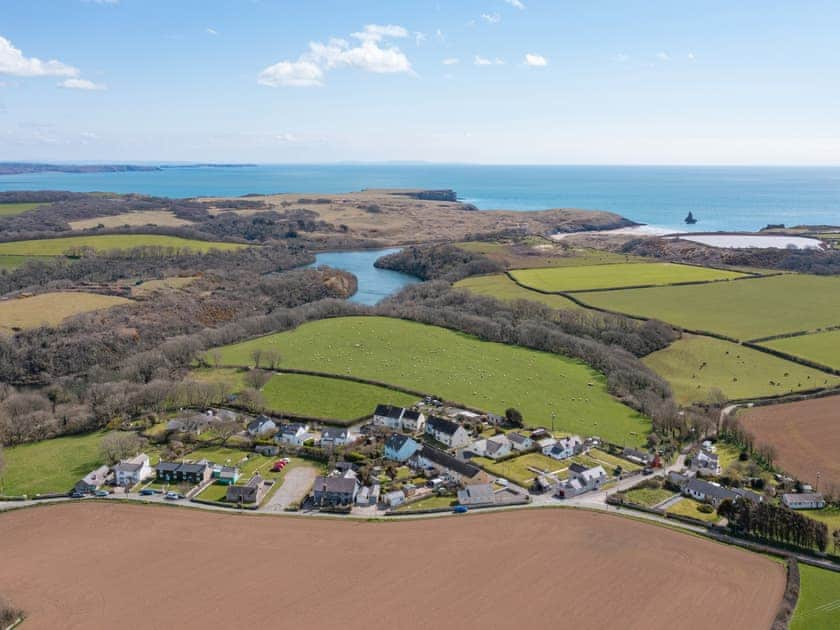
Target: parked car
173	496
148	492
77	495
461	509
647	470
101	493
278	466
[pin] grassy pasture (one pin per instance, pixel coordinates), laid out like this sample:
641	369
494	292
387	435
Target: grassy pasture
166	284
821	347
501	287
52	308
144	217
541	253
109	242
749	309
695	365
11	263
457	367
50	465
616	275
12	209
818	607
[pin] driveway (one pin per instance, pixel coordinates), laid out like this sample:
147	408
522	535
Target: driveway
296	483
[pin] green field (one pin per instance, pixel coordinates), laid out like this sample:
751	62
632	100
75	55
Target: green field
819	600
501	287
314	396
14	262
108	242
694	365
538	252
821	347
749	309
12	209
688	507
648	497
616	275
50	465
456	367
828	515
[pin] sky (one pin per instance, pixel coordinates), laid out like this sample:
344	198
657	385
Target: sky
481	81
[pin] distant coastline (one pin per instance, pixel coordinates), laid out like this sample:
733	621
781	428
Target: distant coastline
22	168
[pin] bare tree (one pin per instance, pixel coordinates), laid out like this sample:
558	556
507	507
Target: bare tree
251	399
257	378
256	356
272	358
120	445
227	430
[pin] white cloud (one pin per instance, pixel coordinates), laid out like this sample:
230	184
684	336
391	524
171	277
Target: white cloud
482	61
419	38
292	73
663	56
371	55
81	84
451	61
535	61
691	56
440	35
13	62
211	31
516	4
491	18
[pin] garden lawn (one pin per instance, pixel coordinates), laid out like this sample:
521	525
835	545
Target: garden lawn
649	497
617	275
818	607
456	367
109	242
12	209
822	347
501	287
688	507
518	470
748	309
50	465
609	462
695	365
428	503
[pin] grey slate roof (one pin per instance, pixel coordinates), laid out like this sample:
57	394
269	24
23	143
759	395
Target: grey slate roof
447	461
441	425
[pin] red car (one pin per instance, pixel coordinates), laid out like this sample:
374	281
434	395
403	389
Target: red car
278	466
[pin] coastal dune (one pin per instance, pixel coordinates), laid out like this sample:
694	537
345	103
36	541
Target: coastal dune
92	565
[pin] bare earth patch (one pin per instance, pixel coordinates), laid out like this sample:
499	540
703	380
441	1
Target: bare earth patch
806	436
52	308
140	218
129	566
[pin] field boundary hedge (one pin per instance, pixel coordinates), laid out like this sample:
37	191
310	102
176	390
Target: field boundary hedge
791	597
798	333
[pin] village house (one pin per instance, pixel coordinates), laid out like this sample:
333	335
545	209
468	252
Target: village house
269	450
581	479
335	490
334	436
476	494
495	447
132	471
251	492
430	458
715	494
173	472
400	448
294	433
447	432
706	462
226	475
260	426
520	442
564	448
394	498
93	480
388	416
804	501
413	421
637	456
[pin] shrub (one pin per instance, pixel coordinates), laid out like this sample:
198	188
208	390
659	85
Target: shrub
705	508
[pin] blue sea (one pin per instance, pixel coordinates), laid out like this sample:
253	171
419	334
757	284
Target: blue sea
722	198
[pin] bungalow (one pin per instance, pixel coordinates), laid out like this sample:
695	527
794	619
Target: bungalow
715	494
804	501
261	426
447	432
637	456
706	463
400	448
332	437
93	480
477	494
564	447
429	457
581	479
394	498
520	442
412	421
173	472
251	492
294	433
132	471
268	450
388	416
335	491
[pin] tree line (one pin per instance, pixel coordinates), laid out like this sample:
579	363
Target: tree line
774	523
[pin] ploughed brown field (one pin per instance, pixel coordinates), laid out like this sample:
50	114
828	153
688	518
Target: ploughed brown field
806	436
125	566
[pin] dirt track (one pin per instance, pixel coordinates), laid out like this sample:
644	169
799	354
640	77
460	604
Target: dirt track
124	566
806	436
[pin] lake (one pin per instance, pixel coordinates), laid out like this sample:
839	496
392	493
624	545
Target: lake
374	284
